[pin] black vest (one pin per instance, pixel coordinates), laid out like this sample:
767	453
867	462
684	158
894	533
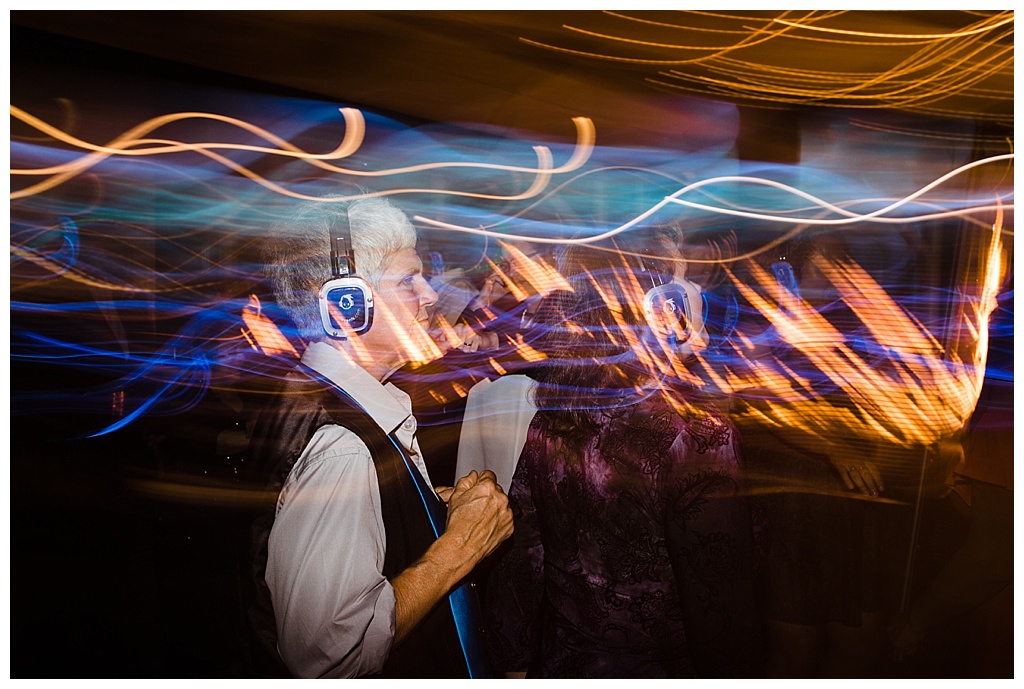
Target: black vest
298	406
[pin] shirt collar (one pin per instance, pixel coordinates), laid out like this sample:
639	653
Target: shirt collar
385	403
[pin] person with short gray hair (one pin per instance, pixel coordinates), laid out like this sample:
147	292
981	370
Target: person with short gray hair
359	581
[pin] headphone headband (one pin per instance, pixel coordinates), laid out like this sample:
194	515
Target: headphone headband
343	263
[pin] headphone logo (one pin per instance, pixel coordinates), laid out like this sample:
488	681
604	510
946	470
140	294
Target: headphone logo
669	308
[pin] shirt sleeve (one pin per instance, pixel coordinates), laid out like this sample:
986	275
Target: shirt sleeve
335	610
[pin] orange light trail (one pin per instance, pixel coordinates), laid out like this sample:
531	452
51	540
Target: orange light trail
510	284
261	333
910	391
778	59
916	396
527	352
131	144
541	277
984	27
414	340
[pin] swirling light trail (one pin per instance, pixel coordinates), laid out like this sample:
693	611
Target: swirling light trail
891	379
849	216
920	71
984	27
905	389
127	145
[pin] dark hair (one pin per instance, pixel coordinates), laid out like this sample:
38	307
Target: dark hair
600	352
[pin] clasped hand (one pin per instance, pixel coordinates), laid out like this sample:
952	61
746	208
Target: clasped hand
478	512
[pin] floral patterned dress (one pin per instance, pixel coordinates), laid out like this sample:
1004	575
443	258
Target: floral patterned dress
630	558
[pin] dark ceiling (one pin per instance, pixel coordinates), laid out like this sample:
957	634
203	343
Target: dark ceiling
631	72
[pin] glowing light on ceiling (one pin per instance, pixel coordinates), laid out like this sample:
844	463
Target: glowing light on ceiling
777	57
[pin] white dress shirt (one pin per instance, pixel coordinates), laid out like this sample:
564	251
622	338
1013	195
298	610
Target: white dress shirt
334	608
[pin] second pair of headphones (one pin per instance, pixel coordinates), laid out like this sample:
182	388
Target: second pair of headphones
346	301
674	309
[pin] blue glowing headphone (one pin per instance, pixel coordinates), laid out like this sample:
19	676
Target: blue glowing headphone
784	275
346	301
675	310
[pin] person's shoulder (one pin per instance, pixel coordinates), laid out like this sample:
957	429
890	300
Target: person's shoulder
337	447
689	416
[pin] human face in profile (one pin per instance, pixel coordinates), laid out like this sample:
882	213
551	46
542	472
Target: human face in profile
399	331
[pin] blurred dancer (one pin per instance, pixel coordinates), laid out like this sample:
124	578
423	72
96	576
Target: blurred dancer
829	580
632	550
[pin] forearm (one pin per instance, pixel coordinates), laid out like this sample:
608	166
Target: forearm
424	583
478	521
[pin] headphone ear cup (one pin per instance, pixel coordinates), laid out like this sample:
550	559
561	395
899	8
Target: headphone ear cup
665	311
675	311
346	307
786	277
